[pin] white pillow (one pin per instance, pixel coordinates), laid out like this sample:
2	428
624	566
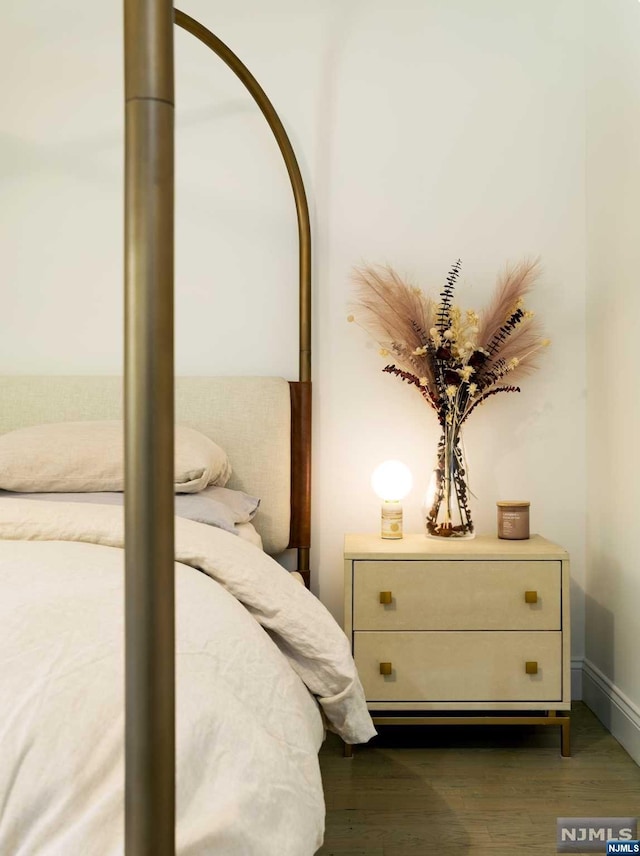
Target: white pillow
242	505
77	457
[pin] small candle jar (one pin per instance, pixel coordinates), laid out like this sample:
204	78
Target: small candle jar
513	520
391	520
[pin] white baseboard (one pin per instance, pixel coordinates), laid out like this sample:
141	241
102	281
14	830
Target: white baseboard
614	709
576	678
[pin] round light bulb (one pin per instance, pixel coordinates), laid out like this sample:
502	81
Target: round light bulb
392	481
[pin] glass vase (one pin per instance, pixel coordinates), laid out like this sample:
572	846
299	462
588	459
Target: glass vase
447	513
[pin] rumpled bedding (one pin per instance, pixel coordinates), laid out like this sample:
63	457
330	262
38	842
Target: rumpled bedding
248	701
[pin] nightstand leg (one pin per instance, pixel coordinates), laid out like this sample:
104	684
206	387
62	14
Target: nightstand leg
565	742
347	750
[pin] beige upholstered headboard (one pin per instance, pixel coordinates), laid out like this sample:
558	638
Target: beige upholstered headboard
250	417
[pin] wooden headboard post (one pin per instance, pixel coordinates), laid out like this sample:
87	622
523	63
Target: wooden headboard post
300	532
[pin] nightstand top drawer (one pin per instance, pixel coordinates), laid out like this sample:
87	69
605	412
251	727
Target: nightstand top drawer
418	546
460	595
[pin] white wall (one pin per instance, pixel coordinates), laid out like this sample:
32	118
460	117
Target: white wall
612	673
425	130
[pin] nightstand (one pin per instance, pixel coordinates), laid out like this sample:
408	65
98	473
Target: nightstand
460	632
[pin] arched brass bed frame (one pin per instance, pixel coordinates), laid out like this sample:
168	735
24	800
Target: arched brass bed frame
149	410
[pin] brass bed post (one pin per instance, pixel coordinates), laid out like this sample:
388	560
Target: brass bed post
149	417
300	536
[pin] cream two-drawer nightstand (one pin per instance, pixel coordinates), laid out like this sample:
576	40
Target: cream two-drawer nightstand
457	632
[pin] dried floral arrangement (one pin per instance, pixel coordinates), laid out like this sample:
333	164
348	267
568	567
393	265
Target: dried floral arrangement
456	360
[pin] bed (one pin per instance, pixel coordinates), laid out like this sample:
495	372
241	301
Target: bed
91	751
261	666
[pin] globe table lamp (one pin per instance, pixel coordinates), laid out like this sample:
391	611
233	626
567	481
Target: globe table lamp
391	481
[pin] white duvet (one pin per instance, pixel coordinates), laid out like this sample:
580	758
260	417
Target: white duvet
248	727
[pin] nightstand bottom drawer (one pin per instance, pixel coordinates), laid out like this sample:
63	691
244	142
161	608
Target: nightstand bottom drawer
468	665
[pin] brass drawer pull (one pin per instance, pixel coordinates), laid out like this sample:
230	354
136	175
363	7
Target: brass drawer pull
386	597
531	597
385	668
531	667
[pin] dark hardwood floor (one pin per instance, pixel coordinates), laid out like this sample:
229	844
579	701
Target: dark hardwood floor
486	791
